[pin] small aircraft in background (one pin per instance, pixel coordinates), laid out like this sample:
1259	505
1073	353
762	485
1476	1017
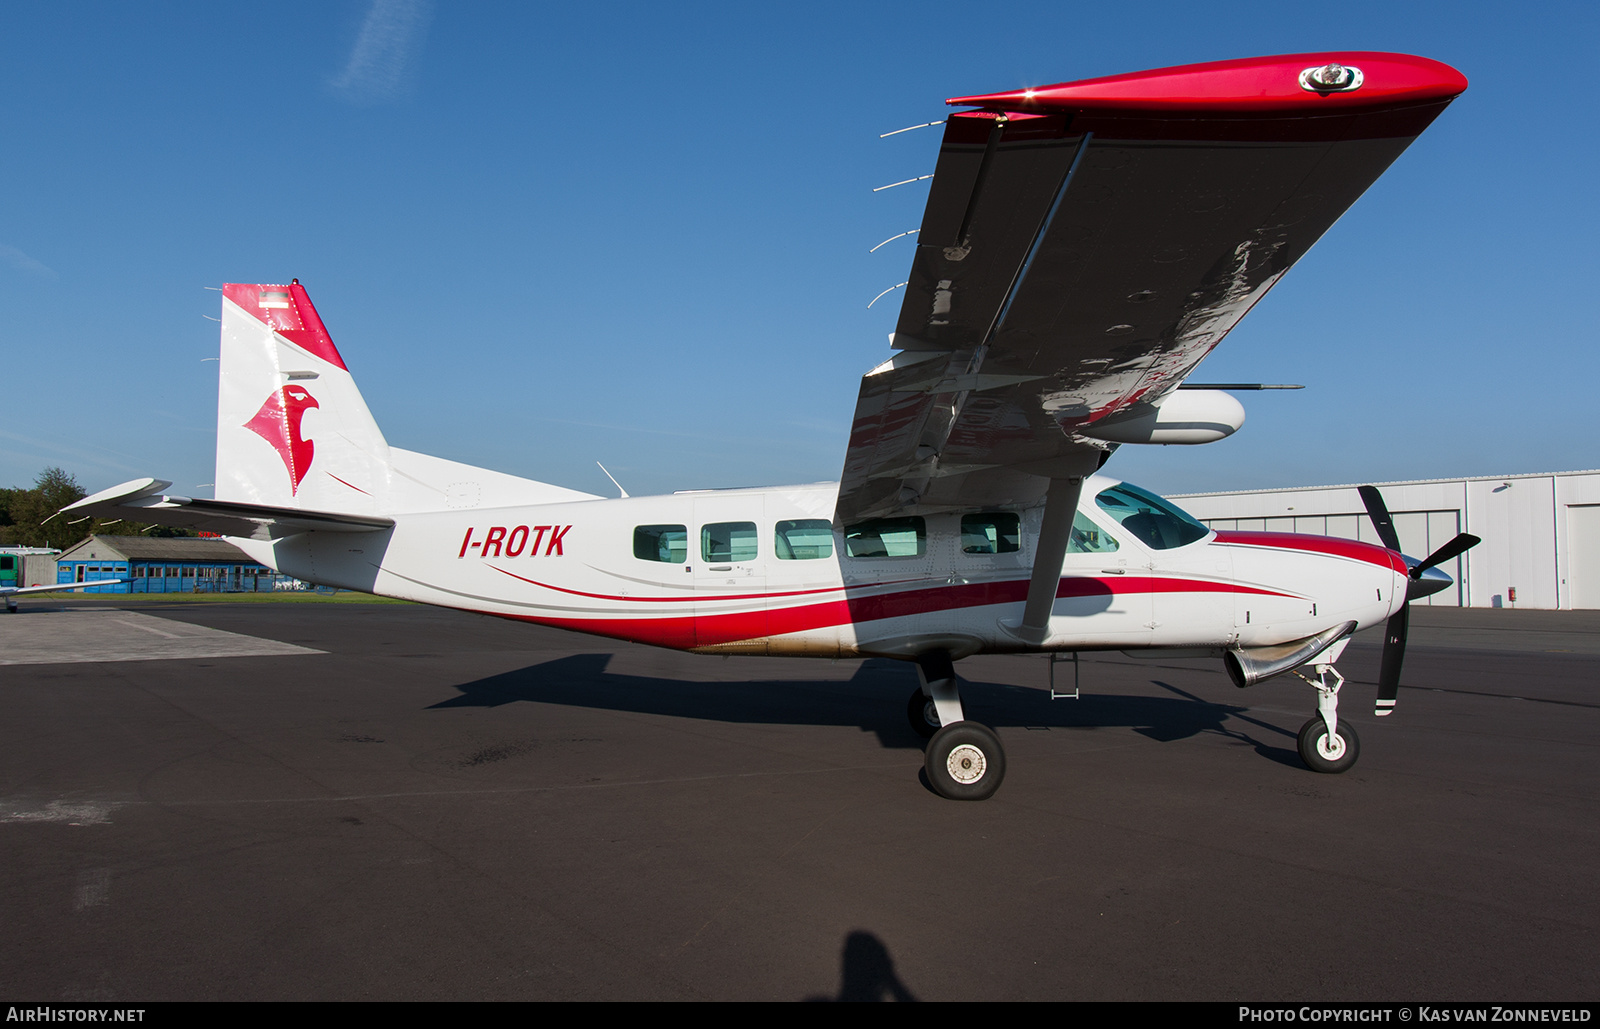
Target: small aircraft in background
1084	247
11	593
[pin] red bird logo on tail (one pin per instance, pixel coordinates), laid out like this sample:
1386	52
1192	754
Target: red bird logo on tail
278	422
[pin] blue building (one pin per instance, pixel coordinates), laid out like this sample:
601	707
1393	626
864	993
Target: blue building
164	565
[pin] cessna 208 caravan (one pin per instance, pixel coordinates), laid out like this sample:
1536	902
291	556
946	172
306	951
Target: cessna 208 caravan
1084	247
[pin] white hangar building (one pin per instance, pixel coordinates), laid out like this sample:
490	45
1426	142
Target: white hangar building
1541	533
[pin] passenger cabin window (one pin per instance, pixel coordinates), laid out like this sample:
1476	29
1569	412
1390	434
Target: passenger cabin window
805	539
728	541
887	537
668	543
995	533
1148	518
1089	538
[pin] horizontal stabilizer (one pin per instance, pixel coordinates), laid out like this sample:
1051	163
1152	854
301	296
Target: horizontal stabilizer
143	500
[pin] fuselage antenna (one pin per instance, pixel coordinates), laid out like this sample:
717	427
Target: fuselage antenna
614	481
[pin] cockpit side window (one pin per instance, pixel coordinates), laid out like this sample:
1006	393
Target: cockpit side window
1089	538
1149	519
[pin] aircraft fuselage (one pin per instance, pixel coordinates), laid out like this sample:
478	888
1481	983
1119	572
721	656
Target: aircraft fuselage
761	571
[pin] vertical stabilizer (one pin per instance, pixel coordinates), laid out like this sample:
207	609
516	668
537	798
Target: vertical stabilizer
292	428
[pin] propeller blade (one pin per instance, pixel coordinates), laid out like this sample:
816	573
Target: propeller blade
1460	545
1394	655
1378	511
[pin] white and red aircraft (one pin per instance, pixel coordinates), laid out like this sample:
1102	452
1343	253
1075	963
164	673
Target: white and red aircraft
1084	246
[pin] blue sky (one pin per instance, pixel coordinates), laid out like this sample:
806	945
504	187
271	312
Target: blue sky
544	237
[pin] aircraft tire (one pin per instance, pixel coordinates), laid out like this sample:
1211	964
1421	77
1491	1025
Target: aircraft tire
921	714
964	761
1312	736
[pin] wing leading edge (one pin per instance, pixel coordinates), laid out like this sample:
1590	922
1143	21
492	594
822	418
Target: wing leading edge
1085	245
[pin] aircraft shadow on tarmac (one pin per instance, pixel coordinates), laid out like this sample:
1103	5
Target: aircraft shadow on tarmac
874	700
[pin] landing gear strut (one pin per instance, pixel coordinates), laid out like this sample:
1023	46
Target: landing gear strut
1326	744
922	713
963	760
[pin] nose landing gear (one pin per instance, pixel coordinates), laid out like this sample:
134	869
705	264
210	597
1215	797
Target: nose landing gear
1326	745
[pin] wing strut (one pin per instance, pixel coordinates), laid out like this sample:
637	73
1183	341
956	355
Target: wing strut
1055	532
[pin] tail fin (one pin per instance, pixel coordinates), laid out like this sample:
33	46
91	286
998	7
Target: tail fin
292	428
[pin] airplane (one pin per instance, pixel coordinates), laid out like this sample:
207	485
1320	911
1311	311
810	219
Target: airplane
1084	246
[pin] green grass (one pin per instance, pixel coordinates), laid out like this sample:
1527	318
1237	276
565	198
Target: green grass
275	597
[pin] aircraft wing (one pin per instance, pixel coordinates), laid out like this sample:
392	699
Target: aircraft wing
143	500
1085	245
58	587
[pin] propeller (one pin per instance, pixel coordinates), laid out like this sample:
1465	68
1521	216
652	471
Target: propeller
1420	584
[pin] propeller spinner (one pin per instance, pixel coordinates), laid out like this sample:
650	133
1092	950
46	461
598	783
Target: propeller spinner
1425	579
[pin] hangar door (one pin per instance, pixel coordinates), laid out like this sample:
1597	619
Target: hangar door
1583	555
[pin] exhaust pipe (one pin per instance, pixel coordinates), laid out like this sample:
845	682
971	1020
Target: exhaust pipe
1250	665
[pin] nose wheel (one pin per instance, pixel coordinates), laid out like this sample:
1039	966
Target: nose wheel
1326	744
1328	752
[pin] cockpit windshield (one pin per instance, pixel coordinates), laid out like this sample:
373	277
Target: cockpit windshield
1152	521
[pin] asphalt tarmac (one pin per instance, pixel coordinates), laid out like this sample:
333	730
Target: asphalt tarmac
391	802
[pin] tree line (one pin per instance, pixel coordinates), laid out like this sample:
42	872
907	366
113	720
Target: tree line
25	515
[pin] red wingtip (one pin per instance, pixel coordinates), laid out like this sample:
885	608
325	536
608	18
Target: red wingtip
1263	85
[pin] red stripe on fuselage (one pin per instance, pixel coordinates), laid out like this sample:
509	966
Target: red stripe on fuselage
664	600
1366	552
707	629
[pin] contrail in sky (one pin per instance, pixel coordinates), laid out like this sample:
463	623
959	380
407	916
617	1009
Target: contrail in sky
23	263
390	37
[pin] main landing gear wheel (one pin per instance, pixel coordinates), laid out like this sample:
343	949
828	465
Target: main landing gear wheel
964	761
1324	755
922	714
